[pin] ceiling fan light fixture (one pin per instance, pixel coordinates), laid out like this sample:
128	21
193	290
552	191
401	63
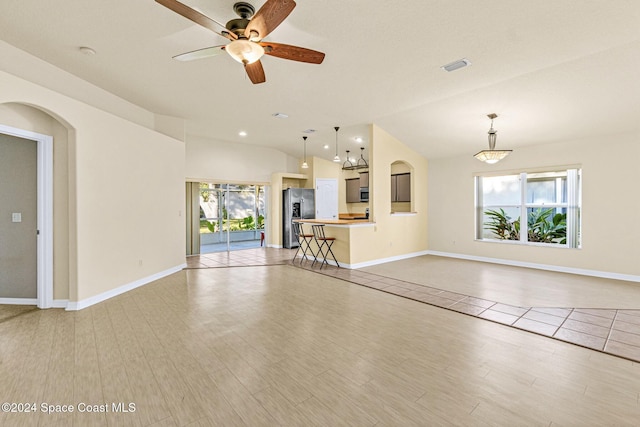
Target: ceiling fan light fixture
246	34
245	51
492	156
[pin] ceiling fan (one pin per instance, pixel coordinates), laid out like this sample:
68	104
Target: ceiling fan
246	35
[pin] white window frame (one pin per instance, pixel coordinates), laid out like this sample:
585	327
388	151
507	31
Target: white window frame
573	207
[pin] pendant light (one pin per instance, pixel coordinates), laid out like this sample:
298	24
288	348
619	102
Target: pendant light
492	155
337	158
304	163
361	161
347	164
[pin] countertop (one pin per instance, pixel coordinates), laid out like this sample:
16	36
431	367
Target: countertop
336	221
357	215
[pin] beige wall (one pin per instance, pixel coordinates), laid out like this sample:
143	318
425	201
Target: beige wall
209	160
609	211
393	235
125	189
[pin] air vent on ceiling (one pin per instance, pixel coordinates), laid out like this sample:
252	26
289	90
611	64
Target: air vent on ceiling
456	65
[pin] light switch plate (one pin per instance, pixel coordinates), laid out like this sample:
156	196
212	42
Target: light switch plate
16	217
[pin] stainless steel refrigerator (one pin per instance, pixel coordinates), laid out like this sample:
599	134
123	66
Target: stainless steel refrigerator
298	203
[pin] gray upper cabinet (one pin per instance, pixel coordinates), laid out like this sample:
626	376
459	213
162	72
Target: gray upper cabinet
364	179
353	190
401	187
394	185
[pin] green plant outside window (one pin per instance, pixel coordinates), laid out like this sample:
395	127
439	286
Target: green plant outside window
550	202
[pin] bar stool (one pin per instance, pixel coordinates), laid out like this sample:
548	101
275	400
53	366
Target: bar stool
304	242
322	240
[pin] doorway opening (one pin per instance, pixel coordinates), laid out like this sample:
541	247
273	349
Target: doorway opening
232	217
42	233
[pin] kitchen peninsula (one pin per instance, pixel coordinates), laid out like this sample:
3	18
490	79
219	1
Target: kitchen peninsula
352	237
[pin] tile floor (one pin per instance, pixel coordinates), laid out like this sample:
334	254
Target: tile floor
248	257
612	331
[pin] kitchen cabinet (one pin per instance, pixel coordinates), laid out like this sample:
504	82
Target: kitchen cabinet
353	190
401	187
364	179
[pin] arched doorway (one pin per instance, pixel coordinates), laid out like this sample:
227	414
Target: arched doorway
17	236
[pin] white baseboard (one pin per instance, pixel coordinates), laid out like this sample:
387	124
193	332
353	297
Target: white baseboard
79	305
60	303
19	301
556	268
383	260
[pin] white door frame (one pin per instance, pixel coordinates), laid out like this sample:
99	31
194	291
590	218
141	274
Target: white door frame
44	297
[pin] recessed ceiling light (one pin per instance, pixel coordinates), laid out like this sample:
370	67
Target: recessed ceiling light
87	50
325	146
358	139
456	65
309	131
242	133
280	115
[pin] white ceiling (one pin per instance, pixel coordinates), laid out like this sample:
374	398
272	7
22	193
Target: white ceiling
552	70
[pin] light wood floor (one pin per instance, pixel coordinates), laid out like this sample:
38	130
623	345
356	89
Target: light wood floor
279	345
524	287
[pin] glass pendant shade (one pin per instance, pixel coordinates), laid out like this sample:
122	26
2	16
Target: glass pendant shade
336	158
245	51
492	155
304	163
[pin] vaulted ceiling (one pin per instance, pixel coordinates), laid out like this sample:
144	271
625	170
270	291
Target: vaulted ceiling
552	70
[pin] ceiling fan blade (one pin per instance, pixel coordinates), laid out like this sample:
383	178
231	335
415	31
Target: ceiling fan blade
200	53
197	17
270	15
255	72
293	53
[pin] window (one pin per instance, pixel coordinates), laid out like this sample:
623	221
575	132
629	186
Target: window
550	201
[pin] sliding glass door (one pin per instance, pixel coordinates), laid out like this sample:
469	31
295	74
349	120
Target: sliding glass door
231	216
